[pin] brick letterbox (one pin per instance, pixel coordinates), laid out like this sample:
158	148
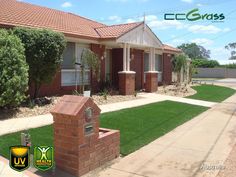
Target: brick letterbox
80	145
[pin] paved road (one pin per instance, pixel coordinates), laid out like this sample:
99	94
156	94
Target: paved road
229	82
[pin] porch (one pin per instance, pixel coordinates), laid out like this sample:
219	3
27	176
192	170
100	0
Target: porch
127	69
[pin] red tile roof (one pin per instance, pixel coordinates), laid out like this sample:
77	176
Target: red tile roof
14	13
116	31
170	48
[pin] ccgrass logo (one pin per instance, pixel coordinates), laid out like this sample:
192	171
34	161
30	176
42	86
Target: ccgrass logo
194	15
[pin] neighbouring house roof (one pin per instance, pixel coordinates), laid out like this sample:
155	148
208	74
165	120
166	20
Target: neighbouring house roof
115	31
16	13
171	49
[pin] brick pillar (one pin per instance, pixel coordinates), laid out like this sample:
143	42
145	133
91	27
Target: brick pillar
126	82
151	81
80	146
69	135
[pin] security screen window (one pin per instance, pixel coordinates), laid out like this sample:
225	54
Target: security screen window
71	72
158	66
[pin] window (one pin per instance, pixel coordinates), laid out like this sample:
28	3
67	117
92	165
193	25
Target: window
108	64
158	63
146	62
69	74
69	56
158	66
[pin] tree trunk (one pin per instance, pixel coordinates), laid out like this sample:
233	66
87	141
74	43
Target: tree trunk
36	89
178	77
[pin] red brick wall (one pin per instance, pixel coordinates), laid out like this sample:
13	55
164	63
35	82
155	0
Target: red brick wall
76	152
99	151
167	69
49	89
54	88
99	50
126	83
151	82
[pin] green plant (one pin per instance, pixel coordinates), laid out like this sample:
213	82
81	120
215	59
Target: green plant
135	93
232	48
13	70
179	63
31	104
192	50
89	60
75	92
43	51
105	85
164	87
105	93
203	63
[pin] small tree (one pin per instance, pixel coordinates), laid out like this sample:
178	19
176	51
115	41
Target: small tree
179	62
232	48
13	70
43	50
89	60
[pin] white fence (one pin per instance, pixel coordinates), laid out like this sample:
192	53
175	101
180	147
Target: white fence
215	73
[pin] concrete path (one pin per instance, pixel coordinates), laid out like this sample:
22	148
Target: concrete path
197	148
18	124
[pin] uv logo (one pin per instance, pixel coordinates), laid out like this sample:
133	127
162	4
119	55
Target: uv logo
194	15
43	157
19	158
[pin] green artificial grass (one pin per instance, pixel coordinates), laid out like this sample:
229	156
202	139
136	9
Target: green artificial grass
138	126
212	93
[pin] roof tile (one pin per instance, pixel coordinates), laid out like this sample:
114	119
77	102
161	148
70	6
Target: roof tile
14	13
115	31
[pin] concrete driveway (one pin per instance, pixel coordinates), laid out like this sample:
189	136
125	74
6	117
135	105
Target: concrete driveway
196	148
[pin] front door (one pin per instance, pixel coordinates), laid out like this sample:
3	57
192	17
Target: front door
136	65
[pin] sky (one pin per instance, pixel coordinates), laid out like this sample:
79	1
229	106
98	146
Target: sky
211	35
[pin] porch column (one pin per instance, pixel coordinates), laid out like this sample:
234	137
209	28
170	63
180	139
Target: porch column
126	77
124	57
150	60
153	59
128	58
151	75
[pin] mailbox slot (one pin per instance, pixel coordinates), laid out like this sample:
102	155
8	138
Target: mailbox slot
88	129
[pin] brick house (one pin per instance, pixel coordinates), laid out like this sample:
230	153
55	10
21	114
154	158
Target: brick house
132	56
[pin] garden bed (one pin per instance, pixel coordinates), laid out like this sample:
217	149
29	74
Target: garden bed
179	91
28	110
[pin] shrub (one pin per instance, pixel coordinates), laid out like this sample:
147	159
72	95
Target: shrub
43	50
179	62
203	63
13	70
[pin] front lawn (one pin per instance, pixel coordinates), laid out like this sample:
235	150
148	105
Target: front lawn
138	126
212	93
